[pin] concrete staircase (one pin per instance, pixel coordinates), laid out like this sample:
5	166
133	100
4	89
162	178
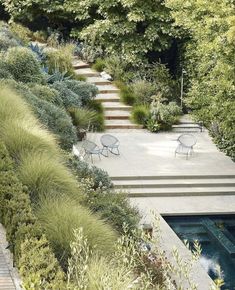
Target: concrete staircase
187	125
162	186
117	115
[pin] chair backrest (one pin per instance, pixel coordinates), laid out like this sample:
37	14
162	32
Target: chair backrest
187	140
108	140
88	145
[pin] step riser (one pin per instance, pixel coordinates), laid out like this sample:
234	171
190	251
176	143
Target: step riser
116	118
107	100
81	66
117	108
100	83
87	75
190	193
122	127
168	177
109	91
174	185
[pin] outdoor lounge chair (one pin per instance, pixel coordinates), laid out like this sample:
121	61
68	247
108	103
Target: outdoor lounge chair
110	144
185	146
90	149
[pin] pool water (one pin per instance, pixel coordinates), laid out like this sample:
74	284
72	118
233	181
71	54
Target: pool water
216	235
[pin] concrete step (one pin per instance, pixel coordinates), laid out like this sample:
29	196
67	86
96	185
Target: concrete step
98	81
121	124
174	183
108	97
180	191
117	115
167	177
107	89
115	106
86	72
187	127
78	64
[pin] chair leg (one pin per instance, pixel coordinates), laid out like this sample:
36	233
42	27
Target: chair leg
91	158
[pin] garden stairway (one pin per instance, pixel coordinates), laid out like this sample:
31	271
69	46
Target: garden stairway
187	125
117	115
175	194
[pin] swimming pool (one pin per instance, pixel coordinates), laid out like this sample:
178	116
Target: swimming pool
216	235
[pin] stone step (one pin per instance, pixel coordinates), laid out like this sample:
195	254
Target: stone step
116	106
174	183
117	115
180	191
167	177
107	89
121	124
186	127
108	97
98	81
86	72
78	64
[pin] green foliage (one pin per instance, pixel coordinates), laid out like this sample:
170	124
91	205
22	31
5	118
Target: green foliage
34	257
60	58
23	65
40	36
85	91
45	176
68	97
143	91
44	92
140	114
21	32
115	66
6	42
83	170
110	205
60	217
82	118
164	114
210	64
4	74
126	94
131	27
54	118
99	64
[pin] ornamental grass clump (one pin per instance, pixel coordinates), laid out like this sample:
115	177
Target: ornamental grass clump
47	177
140	114
60	217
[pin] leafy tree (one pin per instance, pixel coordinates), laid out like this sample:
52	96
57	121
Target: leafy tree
132	27
210	63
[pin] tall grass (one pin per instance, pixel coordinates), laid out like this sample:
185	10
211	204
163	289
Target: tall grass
47	177
60	217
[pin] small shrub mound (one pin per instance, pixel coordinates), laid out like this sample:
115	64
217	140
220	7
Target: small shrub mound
44	92
99	64
22	63
4	74
143	91
6	42
126	94
21	32
33	256
140	114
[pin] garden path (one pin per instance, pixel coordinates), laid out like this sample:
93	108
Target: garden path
117	115
9	279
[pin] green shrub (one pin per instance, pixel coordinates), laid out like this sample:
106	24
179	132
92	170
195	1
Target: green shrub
115	66
68	97
32	253
5	74
143	91
40	36
81	169
23	65
60	59
126	94
85	91
21	32
47	177
61	217
44	92
111	206
140	114
82	117
6	42
99	64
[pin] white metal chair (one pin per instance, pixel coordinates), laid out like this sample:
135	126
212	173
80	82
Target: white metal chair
90	149
186	143
110	144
